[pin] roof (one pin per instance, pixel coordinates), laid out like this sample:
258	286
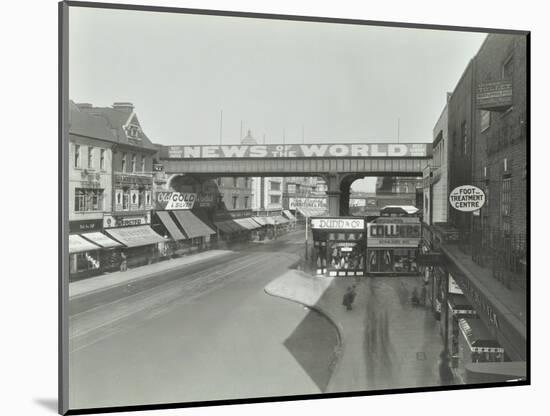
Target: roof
409	209
84	124
116	120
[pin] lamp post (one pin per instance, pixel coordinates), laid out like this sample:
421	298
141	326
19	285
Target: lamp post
307	224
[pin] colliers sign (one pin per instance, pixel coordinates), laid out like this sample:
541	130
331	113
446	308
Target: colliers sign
338	223
297	150
467	198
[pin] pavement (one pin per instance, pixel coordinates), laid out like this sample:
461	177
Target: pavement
109	280
385	343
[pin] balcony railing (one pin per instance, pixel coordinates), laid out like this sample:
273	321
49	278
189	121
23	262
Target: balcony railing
503	253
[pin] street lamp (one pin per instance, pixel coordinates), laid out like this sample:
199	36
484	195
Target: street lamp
307	223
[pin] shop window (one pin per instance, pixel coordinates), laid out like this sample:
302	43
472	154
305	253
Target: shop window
102	159
134	163
77	156
90	157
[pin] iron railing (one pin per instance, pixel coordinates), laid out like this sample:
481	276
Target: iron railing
504	254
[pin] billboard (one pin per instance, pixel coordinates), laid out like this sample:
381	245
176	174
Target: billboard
297	151
494	95
295	203
174	200
338	223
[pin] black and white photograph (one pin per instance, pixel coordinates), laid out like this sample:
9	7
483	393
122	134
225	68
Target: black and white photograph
261	207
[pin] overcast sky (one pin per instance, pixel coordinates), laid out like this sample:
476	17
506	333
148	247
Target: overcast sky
327	82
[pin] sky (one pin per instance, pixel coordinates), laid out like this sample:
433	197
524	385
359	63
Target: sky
190	77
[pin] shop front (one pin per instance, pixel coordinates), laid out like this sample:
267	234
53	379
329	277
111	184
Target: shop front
141	242
89	248
476	345
338	246
392	245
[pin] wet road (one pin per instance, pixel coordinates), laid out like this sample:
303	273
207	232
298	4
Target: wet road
202	332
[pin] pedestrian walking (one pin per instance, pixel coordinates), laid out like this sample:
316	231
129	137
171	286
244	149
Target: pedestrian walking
123	262
349	297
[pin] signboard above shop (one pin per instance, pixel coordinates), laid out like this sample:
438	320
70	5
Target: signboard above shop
334	223
295	203
494	96
467	198
174	200
297	151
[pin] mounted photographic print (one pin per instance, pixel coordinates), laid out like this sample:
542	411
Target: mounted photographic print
263	207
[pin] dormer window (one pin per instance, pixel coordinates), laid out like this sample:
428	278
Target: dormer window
133	132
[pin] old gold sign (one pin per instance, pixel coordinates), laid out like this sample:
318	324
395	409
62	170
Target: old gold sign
338	223
467	198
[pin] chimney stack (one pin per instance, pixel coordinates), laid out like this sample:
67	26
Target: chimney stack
127	107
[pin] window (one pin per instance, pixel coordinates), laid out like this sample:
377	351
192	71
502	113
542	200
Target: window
88	200
102	159
508	68
123	164
90	157
134	163
126	200
485	120
247	182
77	156
143	164
275	199
235	200
141	200
148	197
275	186
246	202
506	196
235	182
464	134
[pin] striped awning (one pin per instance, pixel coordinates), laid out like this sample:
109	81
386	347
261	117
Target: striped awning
280	220
260	220
477	336
170	225
289	215
192	226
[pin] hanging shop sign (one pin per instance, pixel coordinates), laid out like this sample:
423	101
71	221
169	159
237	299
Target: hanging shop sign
174	200
298	151
338	223
206	199
467	198
84	226
295	203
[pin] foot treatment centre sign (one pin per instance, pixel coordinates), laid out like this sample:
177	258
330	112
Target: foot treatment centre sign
467	198
297	151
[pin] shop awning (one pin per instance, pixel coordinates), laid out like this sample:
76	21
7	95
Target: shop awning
280	220
460	305
477	336
192	226
170	225
289	215
101	240
77	244
141	235
260	220
225	227
269	220
248	223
